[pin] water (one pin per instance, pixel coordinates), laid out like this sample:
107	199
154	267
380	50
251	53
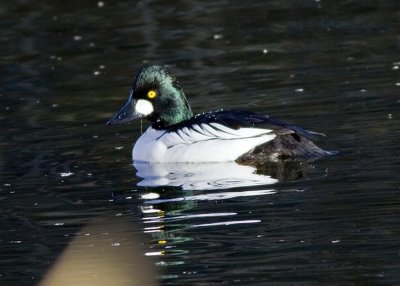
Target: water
69	192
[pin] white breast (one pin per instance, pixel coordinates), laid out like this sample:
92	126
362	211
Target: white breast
200	143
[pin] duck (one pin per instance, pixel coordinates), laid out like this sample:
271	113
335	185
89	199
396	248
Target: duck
177	135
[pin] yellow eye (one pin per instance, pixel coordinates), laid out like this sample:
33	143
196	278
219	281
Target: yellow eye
151	94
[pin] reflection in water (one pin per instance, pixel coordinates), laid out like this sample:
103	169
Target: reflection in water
200	176
209	196
178	220
212	176
189	201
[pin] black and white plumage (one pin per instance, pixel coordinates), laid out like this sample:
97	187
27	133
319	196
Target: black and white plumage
221	136
176	135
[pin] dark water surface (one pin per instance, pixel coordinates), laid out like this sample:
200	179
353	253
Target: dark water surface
66	177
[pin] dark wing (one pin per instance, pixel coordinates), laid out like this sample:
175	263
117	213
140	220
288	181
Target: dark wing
291	141
238	118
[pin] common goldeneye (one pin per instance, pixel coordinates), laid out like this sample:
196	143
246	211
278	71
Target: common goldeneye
176	135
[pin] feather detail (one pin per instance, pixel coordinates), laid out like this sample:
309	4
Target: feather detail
222	136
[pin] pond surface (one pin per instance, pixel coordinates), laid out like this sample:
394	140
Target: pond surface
73	206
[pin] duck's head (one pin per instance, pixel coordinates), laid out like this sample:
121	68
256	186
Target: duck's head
156	96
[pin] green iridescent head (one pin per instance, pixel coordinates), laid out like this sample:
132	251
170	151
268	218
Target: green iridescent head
156	96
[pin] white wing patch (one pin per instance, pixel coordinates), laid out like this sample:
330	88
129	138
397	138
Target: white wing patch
200	143
212	131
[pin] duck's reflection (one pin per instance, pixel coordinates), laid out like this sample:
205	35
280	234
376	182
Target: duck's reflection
186	206
214	176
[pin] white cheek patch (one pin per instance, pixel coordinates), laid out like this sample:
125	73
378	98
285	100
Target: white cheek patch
144	107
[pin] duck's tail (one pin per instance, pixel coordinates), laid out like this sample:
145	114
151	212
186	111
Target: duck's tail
286	146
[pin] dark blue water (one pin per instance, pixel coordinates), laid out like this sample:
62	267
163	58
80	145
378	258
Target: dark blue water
74	208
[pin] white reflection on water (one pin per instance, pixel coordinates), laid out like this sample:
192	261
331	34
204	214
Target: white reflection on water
226	223
214	196
205	176
213	181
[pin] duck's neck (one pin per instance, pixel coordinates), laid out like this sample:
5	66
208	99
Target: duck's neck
175	109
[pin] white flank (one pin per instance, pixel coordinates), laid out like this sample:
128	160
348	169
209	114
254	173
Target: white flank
199	143
144	107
